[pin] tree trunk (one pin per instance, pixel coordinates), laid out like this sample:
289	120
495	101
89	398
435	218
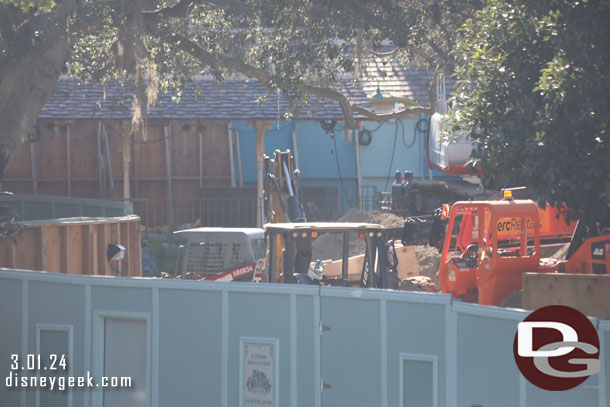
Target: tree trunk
25	88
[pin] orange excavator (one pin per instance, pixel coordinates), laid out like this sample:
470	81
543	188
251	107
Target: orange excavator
489	245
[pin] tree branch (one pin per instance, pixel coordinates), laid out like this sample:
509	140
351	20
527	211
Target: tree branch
218	61
384	54
422	54
179	10
54	27
231	6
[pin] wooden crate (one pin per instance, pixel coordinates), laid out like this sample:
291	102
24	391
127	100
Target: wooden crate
588	293
76	246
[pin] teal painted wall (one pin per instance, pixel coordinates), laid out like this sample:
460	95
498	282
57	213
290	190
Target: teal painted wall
395	145
400	138
317	164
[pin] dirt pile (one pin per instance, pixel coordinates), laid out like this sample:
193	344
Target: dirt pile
387	219
330	246
428	259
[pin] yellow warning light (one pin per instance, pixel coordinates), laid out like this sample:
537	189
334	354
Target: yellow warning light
508	194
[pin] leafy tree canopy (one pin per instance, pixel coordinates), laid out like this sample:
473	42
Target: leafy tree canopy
301	46
535	86
534	75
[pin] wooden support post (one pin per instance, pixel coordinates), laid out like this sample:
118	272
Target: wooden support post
136	248
103	238
135	154
231	158
63	248
168	165
241	175
87	250
34	169
358	172
259	131
126	243
100	161
115	237
109	159
201	160
68	159
126	162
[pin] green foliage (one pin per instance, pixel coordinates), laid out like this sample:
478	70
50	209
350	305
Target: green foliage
27	5
534	75
164	251
9	228
296	42
534	85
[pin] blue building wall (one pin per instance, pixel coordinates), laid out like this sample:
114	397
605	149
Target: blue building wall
395	145
317	164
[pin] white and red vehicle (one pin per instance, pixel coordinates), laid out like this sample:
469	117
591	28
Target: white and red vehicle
447	154
221	254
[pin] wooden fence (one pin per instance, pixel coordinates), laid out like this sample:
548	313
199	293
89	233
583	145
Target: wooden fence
588	293
76	246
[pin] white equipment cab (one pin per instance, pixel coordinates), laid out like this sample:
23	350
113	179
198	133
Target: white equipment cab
222	254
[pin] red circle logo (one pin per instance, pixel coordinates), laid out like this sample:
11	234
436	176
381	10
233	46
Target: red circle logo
556	348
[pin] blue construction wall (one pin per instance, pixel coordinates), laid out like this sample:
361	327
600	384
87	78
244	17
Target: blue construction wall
380	347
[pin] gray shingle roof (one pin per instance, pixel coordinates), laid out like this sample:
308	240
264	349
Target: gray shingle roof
233	99
398	80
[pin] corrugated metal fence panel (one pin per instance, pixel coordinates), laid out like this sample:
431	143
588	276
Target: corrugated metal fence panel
332	346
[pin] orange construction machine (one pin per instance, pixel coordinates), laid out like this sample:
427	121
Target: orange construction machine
489	245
